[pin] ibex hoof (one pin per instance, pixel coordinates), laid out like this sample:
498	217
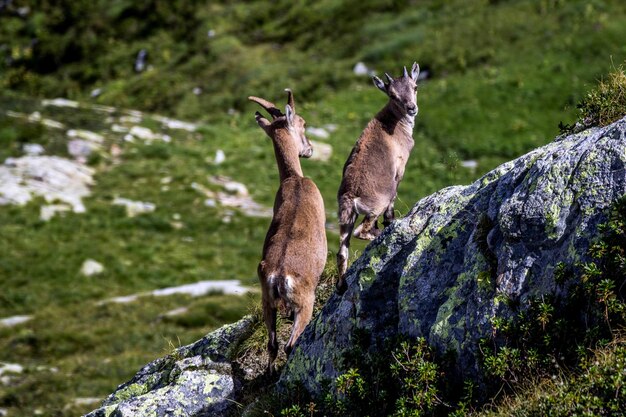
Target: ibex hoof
367	236
370	233
341	286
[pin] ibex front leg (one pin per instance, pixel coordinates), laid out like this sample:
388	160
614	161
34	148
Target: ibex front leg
345	232
347	218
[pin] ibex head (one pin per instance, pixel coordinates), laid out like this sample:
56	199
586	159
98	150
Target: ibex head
402	90
290	121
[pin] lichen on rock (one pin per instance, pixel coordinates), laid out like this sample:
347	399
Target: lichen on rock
442	271
460	258
194	380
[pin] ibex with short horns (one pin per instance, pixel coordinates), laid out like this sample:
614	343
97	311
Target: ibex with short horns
376	165
294	253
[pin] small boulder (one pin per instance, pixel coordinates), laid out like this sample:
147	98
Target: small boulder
134	208
33	149
91	268
321	151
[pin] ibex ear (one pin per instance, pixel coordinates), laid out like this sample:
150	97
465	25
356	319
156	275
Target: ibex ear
290	114
380	84
262	121
415	71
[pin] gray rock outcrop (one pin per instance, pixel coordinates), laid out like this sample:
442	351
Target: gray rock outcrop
459	258
195	380
50	177
443	271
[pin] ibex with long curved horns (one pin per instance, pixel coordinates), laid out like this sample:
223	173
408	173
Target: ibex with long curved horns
376	165
294	253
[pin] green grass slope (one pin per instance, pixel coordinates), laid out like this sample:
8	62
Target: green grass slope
502	76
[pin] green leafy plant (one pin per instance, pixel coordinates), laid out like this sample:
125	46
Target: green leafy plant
419	378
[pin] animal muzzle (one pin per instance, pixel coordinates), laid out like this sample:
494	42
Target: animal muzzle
307	153
411	110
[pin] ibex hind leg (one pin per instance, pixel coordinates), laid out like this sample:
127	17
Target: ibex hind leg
269	316
302	318
345	232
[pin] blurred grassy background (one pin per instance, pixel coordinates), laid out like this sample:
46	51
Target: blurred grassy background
502	75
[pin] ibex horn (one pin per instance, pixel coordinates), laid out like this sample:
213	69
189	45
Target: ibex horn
406	74
389	78
290	99
268	106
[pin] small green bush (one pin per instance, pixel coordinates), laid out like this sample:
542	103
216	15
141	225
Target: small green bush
605	104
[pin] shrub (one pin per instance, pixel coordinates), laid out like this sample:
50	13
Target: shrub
603	105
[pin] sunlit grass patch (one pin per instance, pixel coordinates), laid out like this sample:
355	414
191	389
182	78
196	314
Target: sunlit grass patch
607	102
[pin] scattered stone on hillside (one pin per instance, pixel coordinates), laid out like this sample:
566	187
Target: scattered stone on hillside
91	268
146	135
48	211
61	102
234	195
13	368
33	149
52	123
470	164
119	128
196	91
116	153
81	149
361	69
35	117
197	289
95	92
86	135
175	124
3	412
82	401
14	320
220	157
321	151
232	187
176	312
134	208
442	271
50	177
140	60
131	119
227	216
318	132
8	372
143	133
195	380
